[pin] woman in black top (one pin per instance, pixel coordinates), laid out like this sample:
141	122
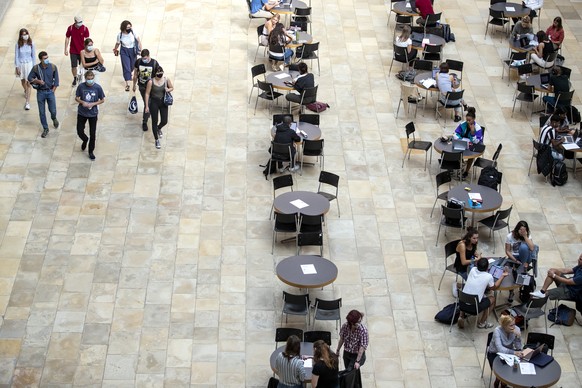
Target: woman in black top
467	252
325	367
543	50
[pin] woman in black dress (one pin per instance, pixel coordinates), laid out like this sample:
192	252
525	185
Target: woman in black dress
325	367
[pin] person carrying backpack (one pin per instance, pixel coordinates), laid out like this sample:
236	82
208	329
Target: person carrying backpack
44	77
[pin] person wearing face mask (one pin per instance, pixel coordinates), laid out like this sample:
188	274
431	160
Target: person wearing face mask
23	61
88	95
91	58
125	47
154	102
44	77
144	69
75	43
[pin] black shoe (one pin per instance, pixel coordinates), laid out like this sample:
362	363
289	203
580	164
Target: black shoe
465	174
510	297
160	133
74	81
55	123
91	156
84	145
45	133
144	126
465	107
457	119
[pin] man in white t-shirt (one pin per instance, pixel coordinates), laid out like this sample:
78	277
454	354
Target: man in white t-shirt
478	281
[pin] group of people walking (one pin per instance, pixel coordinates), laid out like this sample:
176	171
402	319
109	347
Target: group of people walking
137	65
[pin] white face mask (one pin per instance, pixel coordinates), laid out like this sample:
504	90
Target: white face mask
24	37
89	48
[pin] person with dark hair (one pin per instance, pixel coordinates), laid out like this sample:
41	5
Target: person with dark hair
24	58
289	365
559	83
75	36
548	136
45	76
91	57
89	96
555	32
278	40
564	128
478	281
542	51
354	337
519	245
127	41
285	135
466	252
325	367
304	80
469	129
154	102
448	83
424	8
144	69
567	288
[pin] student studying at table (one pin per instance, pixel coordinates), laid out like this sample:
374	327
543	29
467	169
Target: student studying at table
304	80
424	8
469	129
555	32
522	28
466	252
542	51
548	136
448	83
404	40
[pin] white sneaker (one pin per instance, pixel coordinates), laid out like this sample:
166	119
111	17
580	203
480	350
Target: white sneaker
538	294
27	106
294	168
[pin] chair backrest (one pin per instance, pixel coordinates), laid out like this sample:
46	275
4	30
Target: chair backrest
522	87
283	333
565	71
565	96
312	221
309	239
258	70
282	181
483	131
400	51
309	94
536	303
433	19
451	248
285	219
447	156
410	129
453	214
329	179
312	336
525	69
489	338
296	299
312	146
282	151
260	31
452	96
265	87
249	5
278	118
433	48
421	64
328	304
497	1
517	56
497	152
442	178
308	49
503	214
407	91
495	15
309	118
302	11
455	65
542	338
536	146
468	299
551	57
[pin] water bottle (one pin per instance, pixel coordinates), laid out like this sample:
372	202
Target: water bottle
515	363
435	70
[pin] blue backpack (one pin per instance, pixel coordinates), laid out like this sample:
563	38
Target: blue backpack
564	316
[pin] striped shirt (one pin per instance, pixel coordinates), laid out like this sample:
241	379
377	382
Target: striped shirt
547	134
290	371
353	340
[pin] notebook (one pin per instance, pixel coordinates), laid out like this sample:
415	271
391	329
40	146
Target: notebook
459	145
545	80
541	360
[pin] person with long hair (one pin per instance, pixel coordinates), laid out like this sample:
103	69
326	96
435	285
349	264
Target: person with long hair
466	252
325	367
24	58
127	42
555	32
91	58
278	39
519	245
506	339
404	40
354	337
289	365
542	51
268	27
154	102
521	28
469	129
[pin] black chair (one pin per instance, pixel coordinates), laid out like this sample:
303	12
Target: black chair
308	96
560	98
284	223
310	224
260	44
565	71
256	71
283	333
514	56
541	338
317	335
548	61
441	178
313	148
456	66
302	15
310	52
251	17
279	183
467	303
432	52
525	69
497	1
452	161
416	145
281	153
278	118
267	94
524	93
422	65
496	18
452	100
432	20
309	118
314	239
536	307
327	310
295	305
489	338
328	178
535	150
450	249
400	54
482	162
497	222
451	218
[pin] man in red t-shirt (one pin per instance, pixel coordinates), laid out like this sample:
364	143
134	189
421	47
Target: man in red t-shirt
76	35
424	8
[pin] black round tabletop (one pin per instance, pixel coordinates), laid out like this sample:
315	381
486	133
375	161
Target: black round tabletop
306	350
421	77
404	8
492	200
291	272
518	9
284	9
433	40
278	79
544	377
441	146
313	131
317	204
515	46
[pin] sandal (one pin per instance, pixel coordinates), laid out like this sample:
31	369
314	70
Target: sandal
127	88
485	325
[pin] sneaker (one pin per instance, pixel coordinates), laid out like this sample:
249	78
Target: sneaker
282	170
144	126
485	325
538	294
294	168
457	119
91	156
84	145
45	133
55	123
74	81
158	145
160	133
27	106
461	323
510	297
282	67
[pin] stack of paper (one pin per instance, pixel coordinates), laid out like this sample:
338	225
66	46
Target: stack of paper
475	197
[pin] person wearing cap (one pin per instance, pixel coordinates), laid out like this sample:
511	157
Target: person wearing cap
75	43
354	338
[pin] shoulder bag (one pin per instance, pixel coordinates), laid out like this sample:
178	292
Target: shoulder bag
168	98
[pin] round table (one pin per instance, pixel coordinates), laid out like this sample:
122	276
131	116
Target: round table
290	272
544	377
317	204
306	350
301	37
286	10
313	131
518	12
515	46
492	200
433	40
278	78
441	146
401	8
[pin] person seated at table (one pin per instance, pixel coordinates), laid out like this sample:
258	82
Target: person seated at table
519	246
521	28
548	136
278	39
542	51
325	366
262	8
424	8
268	27
555	32
469	129
559	84
506	339
448	83
566	288
289	365
466	252
285	135
303	81
404	40
478	281
564	128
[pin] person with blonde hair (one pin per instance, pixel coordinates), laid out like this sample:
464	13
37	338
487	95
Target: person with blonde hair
522	27
404	40
506	339
325	367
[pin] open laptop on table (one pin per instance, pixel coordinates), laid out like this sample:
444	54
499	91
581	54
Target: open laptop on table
545	80
460	145
537	357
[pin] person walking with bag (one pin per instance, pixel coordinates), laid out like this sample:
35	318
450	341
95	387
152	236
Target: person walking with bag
144	69
155	103
89	95
44	77
23	62
127	47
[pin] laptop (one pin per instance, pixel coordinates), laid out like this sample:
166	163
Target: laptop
532	353
496	271
523	279
545	80
460	145
568	139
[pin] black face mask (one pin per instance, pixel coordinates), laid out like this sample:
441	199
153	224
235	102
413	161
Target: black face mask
128	30
159	75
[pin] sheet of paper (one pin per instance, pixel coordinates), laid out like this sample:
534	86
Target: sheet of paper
570	146
475	196
527	368
282	76
428	83
299	204
510	9
308	269
308	363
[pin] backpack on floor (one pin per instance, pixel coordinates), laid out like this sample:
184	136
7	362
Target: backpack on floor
406	75
575	116
559	175
524	291
489	177
564	316
317	106
447	34
270	168
446	314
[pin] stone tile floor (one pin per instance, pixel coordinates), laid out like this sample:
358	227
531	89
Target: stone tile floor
153	267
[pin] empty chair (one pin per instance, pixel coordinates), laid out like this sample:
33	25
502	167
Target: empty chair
525	69
432	52
496	18
309	118
496	222
452	100
309	224
260	41
400	54
423	65
457	67
452	161
329	179
536	307
416	144
295	305
441	178
310	52
317	335
267	94
535	149
313	148
327	310
482	162
451	218
467	303
310	239
511	63
279	183
281	153
524	93
432	20
302	15
284	223
256	71
450	249
283	333
408	96
541	338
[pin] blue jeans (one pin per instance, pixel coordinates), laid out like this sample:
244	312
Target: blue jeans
49	97
127	62
549	100
524	255
286	56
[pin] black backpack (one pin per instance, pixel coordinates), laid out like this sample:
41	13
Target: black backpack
446	314
489	177
270	167
559	175
525	290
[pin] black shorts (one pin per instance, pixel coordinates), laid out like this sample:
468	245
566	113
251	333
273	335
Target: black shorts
75	59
